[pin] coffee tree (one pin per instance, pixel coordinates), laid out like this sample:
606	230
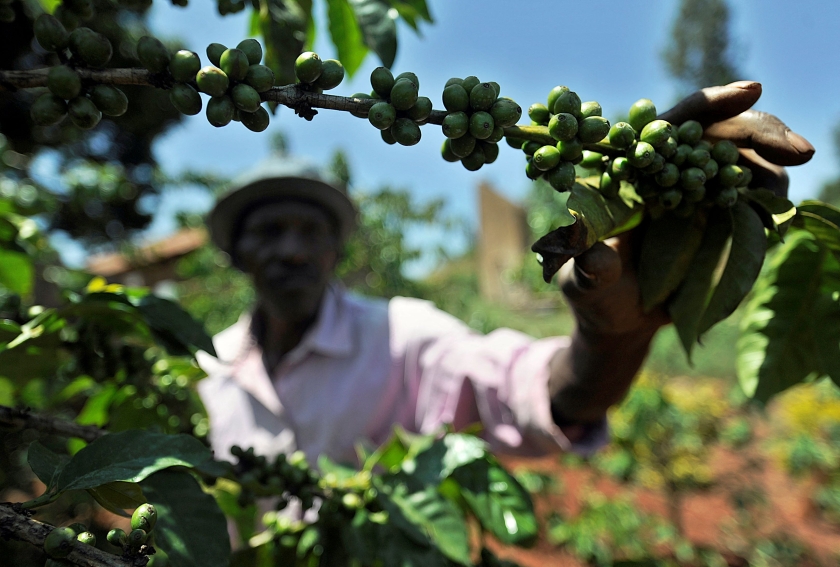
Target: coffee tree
123	357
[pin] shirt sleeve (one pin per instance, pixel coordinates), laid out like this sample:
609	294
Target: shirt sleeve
500	380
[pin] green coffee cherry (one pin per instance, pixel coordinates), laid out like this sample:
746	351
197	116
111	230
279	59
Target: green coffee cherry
622	135
185	99
235	64
136	538
656	133
491	151
641	113
455	125
48	109
609	187
528	147
747	176
592	160
144	518
453	81
725	152
547	157
403	94
656	165
220	111
668	176
212	80
214	53
110	100
590	108
698	158
382	81
59	542
446	151
116	537
563	127
570	150
260	77
690	132
456	98
711	169
91	47
332	73
78	527
531	171
497	135
469	83
245	98
405	131
382	115
515	143
152	54
482	96
539	114
389	139
184	65
669	148
593	129
64	82
308	67
731	176
67	18
620	168
670	199
481	125
474	160
463	146
255	121
692	178
562	177
727	197
704	145
694	195
252	50
553	95
50	33
682	153
505	112
569	103
421	109
83	113
87	538
410	76
641	154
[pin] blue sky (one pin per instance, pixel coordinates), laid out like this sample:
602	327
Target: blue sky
607	51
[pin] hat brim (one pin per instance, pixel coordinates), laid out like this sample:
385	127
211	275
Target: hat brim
227	213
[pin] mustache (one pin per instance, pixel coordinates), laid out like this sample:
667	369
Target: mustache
281	271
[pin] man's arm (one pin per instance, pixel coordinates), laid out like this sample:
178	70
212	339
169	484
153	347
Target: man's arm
613	334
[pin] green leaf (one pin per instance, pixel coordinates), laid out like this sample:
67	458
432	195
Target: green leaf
191	528
668	247
284	25
827	335
435	463
426	515
131	456
346	35
746	255
824	229
411	11
378	28
691	297
824	210
16	272
46	464
168	319
96	408
777	348
499	502
116	497
774	211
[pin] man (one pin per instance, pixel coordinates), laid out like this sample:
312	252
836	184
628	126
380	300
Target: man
318	369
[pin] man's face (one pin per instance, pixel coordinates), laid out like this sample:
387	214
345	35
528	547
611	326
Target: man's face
290	249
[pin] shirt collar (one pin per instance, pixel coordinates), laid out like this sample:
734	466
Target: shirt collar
332	332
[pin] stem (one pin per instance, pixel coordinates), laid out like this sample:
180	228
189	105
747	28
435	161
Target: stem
16	524
42	500
25	420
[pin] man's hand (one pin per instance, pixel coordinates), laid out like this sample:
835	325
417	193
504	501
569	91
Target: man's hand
613	332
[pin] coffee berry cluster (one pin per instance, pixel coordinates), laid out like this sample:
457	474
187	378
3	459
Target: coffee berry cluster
283	476
400	110
475	121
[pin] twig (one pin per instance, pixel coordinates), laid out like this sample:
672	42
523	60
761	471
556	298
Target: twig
24	419
16	524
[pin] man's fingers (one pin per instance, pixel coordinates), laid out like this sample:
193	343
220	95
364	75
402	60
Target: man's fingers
714	104
766	134
765	174
598	267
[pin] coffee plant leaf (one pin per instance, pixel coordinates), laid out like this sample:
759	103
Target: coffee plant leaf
116	497
46	464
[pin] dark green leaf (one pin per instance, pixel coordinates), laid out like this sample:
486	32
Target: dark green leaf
191	528
774	211
378	28
116	497
168	319
411	11
346	35
777	347
827	335
131	456
668	247
436	462
746	255
45	464
16	272
284	24
689	302
500	503
825	210
824	229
